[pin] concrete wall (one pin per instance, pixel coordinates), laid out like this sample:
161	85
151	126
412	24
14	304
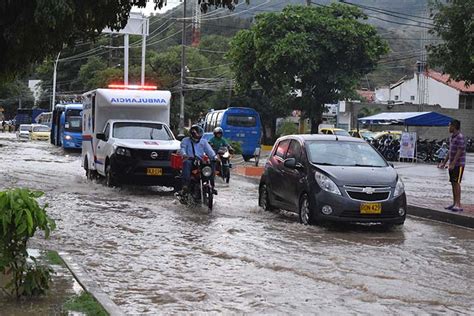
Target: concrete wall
465	116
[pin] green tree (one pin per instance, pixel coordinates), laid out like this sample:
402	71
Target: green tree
32	30
454	23
11	94
306	55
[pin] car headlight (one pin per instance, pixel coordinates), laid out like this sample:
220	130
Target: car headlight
399	188
123	151
68	137
206	171
326	183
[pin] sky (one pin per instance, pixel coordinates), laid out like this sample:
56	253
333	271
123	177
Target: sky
150	8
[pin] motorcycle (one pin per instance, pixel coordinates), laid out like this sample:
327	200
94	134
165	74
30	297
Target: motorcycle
223	167
200	190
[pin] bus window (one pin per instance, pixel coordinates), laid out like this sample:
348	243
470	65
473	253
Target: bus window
219	119
208	122
73	121
214	120
241	120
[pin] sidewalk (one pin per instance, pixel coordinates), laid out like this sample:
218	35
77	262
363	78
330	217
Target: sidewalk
427	188
429	191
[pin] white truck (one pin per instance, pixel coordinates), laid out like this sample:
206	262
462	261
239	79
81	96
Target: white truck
126	137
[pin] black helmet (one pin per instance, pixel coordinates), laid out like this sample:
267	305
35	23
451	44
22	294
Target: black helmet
196	132
218	130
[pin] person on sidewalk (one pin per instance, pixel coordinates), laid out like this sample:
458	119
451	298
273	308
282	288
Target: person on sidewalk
457	162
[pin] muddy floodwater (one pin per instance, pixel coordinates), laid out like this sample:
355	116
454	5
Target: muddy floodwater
152	255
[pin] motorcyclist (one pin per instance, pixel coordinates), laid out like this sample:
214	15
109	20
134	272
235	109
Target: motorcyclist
218	141
193	147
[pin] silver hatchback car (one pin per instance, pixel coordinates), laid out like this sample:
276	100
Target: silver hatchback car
332	178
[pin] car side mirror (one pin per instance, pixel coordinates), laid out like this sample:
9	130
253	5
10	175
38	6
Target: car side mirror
391	165
290	163
101	136
180	137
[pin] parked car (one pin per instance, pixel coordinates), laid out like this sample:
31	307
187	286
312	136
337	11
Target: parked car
326	179
395	134
362	133
23	132
39	132
334	131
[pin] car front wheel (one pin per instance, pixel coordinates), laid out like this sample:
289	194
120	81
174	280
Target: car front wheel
263	198
305	214
109	178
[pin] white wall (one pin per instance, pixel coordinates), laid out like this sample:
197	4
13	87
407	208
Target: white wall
442	94
438	93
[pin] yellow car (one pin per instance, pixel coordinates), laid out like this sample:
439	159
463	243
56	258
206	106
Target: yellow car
362	133
39	132
395	134
334	131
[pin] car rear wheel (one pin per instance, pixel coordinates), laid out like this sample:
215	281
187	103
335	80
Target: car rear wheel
305	214
263	198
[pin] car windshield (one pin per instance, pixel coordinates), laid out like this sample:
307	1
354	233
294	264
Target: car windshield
40	129
341	132
341	153
131	130
25	128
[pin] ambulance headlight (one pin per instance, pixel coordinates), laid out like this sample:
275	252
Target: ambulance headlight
121	151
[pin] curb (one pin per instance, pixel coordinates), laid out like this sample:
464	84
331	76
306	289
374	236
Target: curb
413	210
440	216
91	286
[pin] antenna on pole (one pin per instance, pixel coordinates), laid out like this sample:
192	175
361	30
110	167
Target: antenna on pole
196	24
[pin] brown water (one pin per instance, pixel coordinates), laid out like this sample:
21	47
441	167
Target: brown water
152	255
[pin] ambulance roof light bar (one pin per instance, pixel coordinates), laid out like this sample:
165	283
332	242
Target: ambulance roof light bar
132	87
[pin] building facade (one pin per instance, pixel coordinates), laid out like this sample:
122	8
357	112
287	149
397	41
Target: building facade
430	87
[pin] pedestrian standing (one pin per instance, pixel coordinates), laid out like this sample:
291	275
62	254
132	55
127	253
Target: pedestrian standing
457	162
3	126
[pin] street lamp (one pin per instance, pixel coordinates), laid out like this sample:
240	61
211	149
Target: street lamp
54	82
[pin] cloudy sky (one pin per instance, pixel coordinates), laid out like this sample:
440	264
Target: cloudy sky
151	7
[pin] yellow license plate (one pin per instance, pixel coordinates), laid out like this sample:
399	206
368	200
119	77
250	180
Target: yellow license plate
154	171
371	208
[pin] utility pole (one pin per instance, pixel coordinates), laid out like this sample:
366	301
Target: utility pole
125	62
54	82
183	65
301	124
144	35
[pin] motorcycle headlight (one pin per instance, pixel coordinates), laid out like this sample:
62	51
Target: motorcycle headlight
67	137
326	183
206	171
123	152
399	188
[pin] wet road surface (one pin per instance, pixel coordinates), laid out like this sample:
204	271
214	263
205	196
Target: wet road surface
152	255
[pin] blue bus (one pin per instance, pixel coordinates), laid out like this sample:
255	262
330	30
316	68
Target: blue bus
66	126
240	125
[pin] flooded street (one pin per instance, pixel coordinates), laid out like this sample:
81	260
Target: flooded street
152	255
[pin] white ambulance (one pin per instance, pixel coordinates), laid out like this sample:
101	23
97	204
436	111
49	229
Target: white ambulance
126	137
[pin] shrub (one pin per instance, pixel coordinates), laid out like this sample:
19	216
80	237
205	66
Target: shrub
20	218
287	128
237	147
